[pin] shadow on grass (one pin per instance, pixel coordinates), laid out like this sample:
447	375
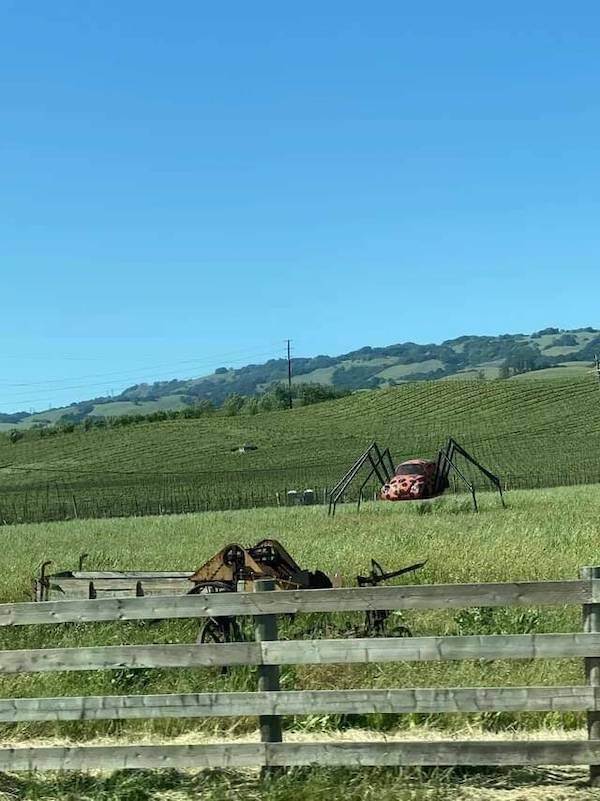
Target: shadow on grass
301	784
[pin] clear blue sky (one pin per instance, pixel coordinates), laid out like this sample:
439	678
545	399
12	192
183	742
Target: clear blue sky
186	184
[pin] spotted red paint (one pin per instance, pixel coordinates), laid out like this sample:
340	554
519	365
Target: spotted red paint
413	479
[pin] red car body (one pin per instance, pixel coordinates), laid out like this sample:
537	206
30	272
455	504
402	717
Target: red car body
413	480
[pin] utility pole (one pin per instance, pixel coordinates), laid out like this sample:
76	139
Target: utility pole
289	360
597	363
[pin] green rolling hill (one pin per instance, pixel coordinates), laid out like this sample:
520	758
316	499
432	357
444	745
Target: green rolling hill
548	353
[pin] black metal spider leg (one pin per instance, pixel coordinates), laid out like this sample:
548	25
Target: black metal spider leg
339	489
376	464
464	478
380	463
373	455
391	469
454	447
364	484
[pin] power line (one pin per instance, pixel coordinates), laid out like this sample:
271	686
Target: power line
25	398
137	379
218	357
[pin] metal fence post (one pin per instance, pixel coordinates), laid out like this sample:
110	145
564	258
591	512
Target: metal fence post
591	625
268	675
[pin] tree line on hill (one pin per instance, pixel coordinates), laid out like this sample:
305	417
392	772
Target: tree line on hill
358	369
275	398
364	368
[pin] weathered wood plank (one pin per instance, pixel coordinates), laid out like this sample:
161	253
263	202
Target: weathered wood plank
125	757
176	585
358	754
435	596
302	652
127	574
265	630
299	702
428	649
115	657
515	752
74	589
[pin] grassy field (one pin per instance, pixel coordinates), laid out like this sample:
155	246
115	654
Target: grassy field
304	785
545	534
532	433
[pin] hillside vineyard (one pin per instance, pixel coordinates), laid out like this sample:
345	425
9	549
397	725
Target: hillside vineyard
531	433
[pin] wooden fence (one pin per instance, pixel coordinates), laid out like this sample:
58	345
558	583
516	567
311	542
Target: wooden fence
269	703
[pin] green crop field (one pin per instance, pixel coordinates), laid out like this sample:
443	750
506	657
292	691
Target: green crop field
531	432
543	534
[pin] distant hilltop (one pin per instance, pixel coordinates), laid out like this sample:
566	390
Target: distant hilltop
546	353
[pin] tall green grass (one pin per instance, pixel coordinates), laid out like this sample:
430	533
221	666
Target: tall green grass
310	784
542	535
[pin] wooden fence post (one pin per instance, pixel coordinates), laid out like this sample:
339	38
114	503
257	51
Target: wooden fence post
591	625
268	675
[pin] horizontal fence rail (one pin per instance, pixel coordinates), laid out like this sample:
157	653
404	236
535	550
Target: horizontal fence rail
302	702
358	754
303	652
270	704
354	599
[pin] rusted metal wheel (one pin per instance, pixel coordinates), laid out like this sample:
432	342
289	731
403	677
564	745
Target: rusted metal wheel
400	631
219	630
211	587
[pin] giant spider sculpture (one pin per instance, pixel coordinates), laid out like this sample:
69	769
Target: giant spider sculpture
412	480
